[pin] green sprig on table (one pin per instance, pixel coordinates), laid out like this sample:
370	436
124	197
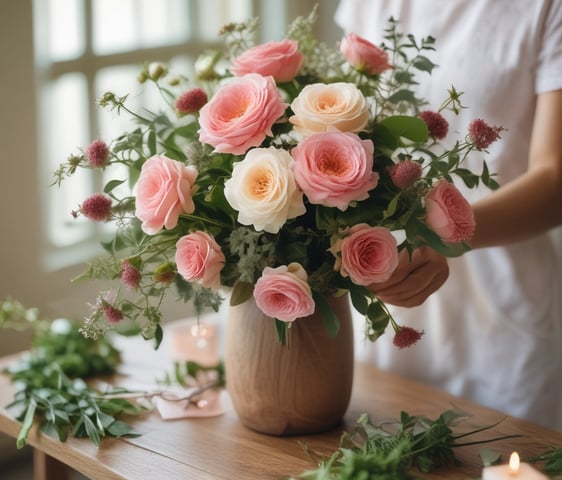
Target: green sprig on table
50	380
397	449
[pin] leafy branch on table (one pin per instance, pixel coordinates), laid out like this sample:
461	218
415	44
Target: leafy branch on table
51	390
398	449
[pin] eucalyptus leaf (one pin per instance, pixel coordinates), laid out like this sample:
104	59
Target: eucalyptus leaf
51	391
27	423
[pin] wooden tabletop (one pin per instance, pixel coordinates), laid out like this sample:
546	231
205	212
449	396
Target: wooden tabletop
221	448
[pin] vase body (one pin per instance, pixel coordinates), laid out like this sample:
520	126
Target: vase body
302	387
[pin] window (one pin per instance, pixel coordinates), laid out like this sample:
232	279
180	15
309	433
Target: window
87	47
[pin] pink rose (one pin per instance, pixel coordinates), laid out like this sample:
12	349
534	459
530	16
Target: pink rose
241	114
321	107
448	213
200	259
283	293
281	60
366	254
164	191
334	169
363	55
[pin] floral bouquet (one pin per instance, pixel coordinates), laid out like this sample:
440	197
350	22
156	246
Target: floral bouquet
288	171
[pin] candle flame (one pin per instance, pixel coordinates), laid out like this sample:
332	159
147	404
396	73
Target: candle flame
199	330
514	463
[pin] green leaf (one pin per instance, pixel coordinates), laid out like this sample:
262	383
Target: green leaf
27	423
151	142
91	430
434	241
424	64
119	429
359	299
241	292
112	185
403	96
330	320
487	178
158	336
187	131
392	207
378	316
281	328
412	128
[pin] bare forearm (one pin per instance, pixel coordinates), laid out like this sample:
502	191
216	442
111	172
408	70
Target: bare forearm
531	204
528	206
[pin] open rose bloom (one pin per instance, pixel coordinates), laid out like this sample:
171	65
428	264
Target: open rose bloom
286	171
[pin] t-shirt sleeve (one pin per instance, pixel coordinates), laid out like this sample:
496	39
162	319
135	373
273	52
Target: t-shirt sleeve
549	64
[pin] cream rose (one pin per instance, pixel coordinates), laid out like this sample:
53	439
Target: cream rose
263	190
323	107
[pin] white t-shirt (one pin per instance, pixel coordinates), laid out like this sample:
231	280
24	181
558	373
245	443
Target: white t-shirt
493	332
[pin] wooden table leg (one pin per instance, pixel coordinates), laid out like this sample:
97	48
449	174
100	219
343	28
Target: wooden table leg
48	468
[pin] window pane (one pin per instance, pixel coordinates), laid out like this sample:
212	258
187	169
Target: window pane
214	14
62	22
121	81
64	119
130	24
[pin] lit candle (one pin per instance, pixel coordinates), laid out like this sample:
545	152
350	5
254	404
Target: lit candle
514	470
196	342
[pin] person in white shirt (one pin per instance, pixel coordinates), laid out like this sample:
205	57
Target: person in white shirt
493	317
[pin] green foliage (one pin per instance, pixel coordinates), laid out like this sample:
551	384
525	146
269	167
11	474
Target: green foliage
552	459
396	450
50	387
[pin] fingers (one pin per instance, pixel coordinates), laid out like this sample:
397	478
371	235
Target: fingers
414	281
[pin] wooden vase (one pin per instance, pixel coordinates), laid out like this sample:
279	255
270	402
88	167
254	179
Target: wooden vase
302	387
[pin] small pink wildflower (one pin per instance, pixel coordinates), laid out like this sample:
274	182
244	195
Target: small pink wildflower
191	101
130	275
97	207
437	126
483	135
111	313
405	174
97	154
406	337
